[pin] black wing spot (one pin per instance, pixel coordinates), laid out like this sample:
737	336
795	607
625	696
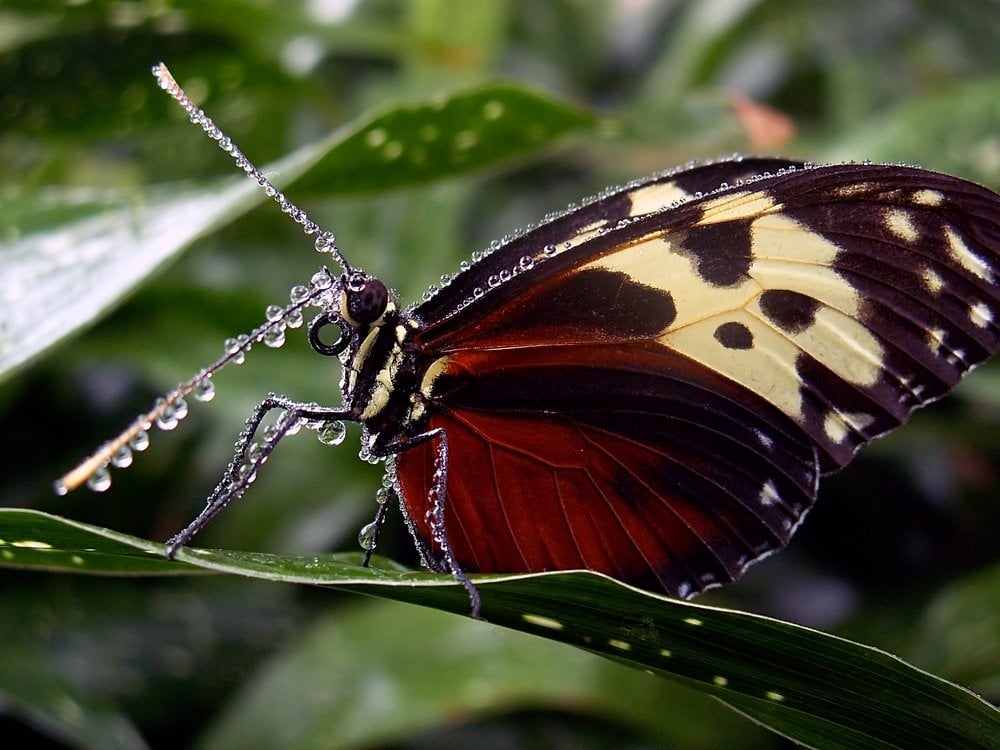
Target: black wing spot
734	336
790	311
608	301
721	252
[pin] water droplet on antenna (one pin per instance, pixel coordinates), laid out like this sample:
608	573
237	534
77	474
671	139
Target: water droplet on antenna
274	337
100	480
122	458
139	441
204	390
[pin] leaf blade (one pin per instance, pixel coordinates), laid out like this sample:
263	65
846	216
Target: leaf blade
801	682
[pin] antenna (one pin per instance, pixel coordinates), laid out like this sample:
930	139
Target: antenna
325	242
323	291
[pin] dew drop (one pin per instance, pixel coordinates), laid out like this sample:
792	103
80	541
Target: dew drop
139	441
274	337
167	418
122	458
294	319
204	390
298	293
382	496
253	452
366	537
100	480
526	262
321	280
324	243
166	423
550	250
332	433
273	312
234	348
180	409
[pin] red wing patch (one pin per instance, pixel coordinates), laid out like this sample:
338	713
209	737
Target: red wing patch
635	469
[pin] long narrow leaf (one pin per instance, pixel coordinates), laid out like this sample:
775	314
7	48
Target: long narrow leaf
818	689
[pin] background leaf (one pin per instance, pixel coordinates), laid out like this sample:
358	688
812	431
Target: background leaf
897	553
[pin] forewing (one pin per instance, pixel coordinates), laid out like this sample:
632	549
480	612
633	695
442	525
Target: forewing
846	296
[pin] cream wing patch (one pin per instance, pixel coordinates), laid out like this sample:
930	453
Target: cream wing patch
733	322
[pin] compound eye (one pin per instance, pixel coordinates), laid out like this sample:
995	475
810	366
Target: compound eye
325	320
364	301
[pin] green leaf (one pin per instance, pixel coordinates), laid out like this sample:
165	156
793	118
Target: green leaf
450	135
959	633
81	720
72	258
69	258
816	688
954	131
380	672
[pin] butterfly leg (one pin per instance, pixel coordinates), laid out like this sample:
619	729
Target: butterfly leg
436	499
249	456
380	515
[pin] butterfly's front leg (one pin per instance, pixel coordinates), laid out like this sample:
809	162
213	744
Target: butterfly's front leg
250	455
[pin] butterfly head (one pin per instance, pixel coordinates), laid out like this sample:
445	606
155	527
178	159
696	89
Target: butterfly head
359	304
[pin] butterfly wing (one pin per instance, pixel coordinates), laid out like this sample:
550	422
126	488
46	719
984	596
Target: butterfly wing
654	395
633	461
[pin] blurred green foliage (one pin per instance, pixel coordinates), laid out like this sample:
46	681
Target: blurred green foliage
900	551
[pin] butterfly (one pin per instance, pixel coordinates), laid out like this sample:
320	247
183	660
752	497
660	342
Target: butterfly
649	385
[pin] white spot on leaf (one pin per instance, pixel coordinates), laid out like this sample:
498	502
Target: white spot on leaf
376	137
542	622
31	544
